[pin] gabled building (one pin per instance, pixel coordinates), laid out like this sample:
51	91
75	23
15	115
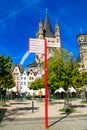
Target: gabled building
23	81
31	76
33	73
17	71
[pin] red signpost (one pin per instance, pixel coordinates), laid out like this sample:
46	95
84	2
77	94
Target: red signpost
46	84
40	46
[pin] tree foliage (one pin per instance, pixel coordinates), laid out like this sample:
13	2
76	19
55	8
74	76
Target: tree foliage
6	79
62	70
82	80
37	84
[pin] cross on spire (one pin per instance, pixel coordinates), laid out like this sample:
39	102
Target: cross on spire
46	10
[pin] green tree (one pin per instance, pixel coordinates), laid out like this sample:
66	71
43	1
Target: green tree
62	70
84	78
6	79
37	84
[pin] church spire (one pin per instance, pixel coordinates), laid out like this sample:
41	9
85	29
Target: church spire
47	26
46	11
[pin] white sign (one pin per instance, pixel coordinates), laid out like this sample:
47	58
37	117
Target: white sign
53	44
36	45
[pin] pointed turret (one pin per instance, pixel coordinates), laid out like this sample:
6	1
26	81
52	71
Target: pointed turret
57	30
39	33
47	27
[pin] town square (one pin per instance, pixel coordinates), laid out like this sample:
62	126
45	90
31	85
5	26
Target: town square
43	65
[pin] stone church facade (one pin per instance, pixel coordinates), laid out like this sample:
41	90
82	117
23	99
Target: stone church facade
44	31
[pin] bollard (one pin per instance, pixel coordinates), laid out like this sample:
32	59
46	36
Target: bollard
32	106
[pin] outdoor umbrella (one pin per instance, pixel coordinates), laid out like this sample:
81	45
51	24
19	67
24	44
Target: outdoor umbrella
60	90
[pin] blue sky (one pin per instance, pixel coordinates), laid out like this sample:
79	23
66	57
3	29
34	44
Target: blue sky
19	21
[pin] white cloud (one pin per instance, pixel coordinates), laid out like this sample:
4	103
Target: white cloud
24	57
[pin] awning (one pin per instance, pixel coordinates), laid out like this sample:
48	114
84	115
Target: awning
72	90
60	90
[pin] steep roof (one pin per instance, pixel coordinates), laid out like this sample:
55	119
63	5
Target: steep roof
47	27
35	73
21	68
34	64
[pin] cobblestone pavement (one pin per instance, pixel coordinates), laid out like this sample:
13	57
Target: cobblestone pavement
19	116
64	123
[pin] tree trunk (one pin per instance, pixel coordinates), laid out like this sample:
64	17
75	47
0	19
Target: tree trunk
67	101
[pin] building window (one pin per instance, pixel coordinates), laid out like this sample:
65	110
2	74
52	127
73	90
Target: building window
31	78
24	83
17	78
24	78
17	83
21	78
16	69
16	74
21	83
57	40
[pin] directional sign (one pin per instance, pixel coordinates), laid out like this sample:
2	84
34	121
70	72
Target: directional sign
53	44
40	46
36	45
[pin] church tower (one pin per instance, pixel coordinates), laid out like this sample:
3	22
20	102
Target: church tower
39	34
45	31
82	42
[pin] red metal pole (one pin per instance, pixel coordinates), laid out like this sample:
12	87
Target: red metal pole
46	84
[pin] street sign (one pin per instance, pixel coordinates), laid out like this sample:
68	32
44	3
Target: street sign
40	46
36	45
53	44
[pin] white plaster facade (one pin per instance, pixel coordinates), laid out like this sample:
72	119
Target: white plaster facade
23	81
